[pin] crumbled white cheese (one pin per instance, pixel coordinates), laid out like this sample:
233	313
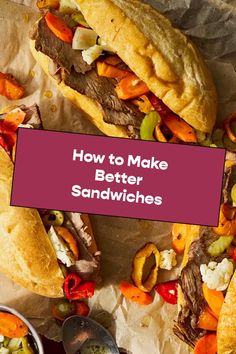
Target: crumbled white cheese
91	54
168	259
1	338
217	275
4	350
84	38
62	251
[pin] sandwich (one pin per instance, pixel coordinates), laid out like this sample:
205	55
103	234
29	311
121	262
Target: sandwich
46	251
127	68
207	285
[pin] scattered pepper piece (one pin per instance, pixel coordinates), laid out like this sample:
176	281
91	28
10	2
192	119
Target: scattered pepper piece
75	289
59	28
227	221
143	104
134	294
10	88
65	234
180	128
138	267
12	326
131	87
206	345
108	70
168	291
8	127
81	308
179	238
214	299
207	321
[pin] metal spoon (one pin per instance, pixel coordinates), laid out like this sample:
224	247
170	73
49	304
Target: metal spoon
81	333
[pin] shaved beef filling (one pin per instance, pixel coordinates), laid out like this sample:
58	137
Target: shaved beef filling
88	266
190	278
83	78
191	286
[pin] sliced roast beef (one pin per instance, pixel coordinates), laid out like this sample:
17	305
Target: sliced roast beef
191	285
102	90
61	52
198	250
88	267
186	326
83	78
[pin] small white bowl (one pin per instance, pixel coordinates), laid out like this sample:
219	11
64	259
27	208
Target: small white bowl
37	339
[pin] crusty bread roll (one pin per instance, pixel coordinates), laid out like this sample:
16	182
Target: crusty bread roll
158	53
226	338
87	105
27	255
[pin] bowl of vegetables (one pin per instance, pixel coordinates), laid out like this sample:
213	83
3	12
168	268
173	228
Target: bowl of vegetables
17	335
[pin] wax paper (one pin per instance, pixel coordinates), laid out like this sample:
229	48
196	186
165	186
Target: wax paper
139	329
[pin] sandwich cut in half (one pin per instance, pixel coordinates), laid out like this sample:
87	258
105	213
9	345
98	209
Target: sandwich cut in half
46	251
125	66
207	287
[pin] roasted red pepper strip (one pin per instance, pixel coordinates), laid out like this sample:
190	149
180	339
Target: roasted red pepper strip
10	88
71	282
59	28
83	291
168	291
158	105
8	136
74	290
176	125
4	144
233	255
8	128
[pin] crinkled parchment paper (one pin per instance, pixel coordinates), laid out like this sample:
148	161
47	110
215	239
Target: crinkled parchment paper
140	330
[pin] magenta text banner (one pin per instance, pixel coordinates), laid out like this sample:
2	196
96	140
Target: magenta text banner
119	177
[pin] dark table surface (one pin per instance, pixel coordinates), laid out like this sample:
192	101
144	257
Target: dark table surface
51	347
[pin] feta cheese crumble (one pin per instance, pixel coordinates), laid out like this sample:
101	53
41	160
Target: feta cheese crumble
168	259
91	54
217	275
62	251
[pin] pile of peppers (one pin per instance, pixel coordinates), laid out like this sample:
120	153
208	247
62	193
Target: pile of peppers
75	290
139	292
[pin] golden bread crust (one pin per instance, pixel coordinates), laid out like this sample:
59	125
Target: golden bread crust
226	338
27	256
